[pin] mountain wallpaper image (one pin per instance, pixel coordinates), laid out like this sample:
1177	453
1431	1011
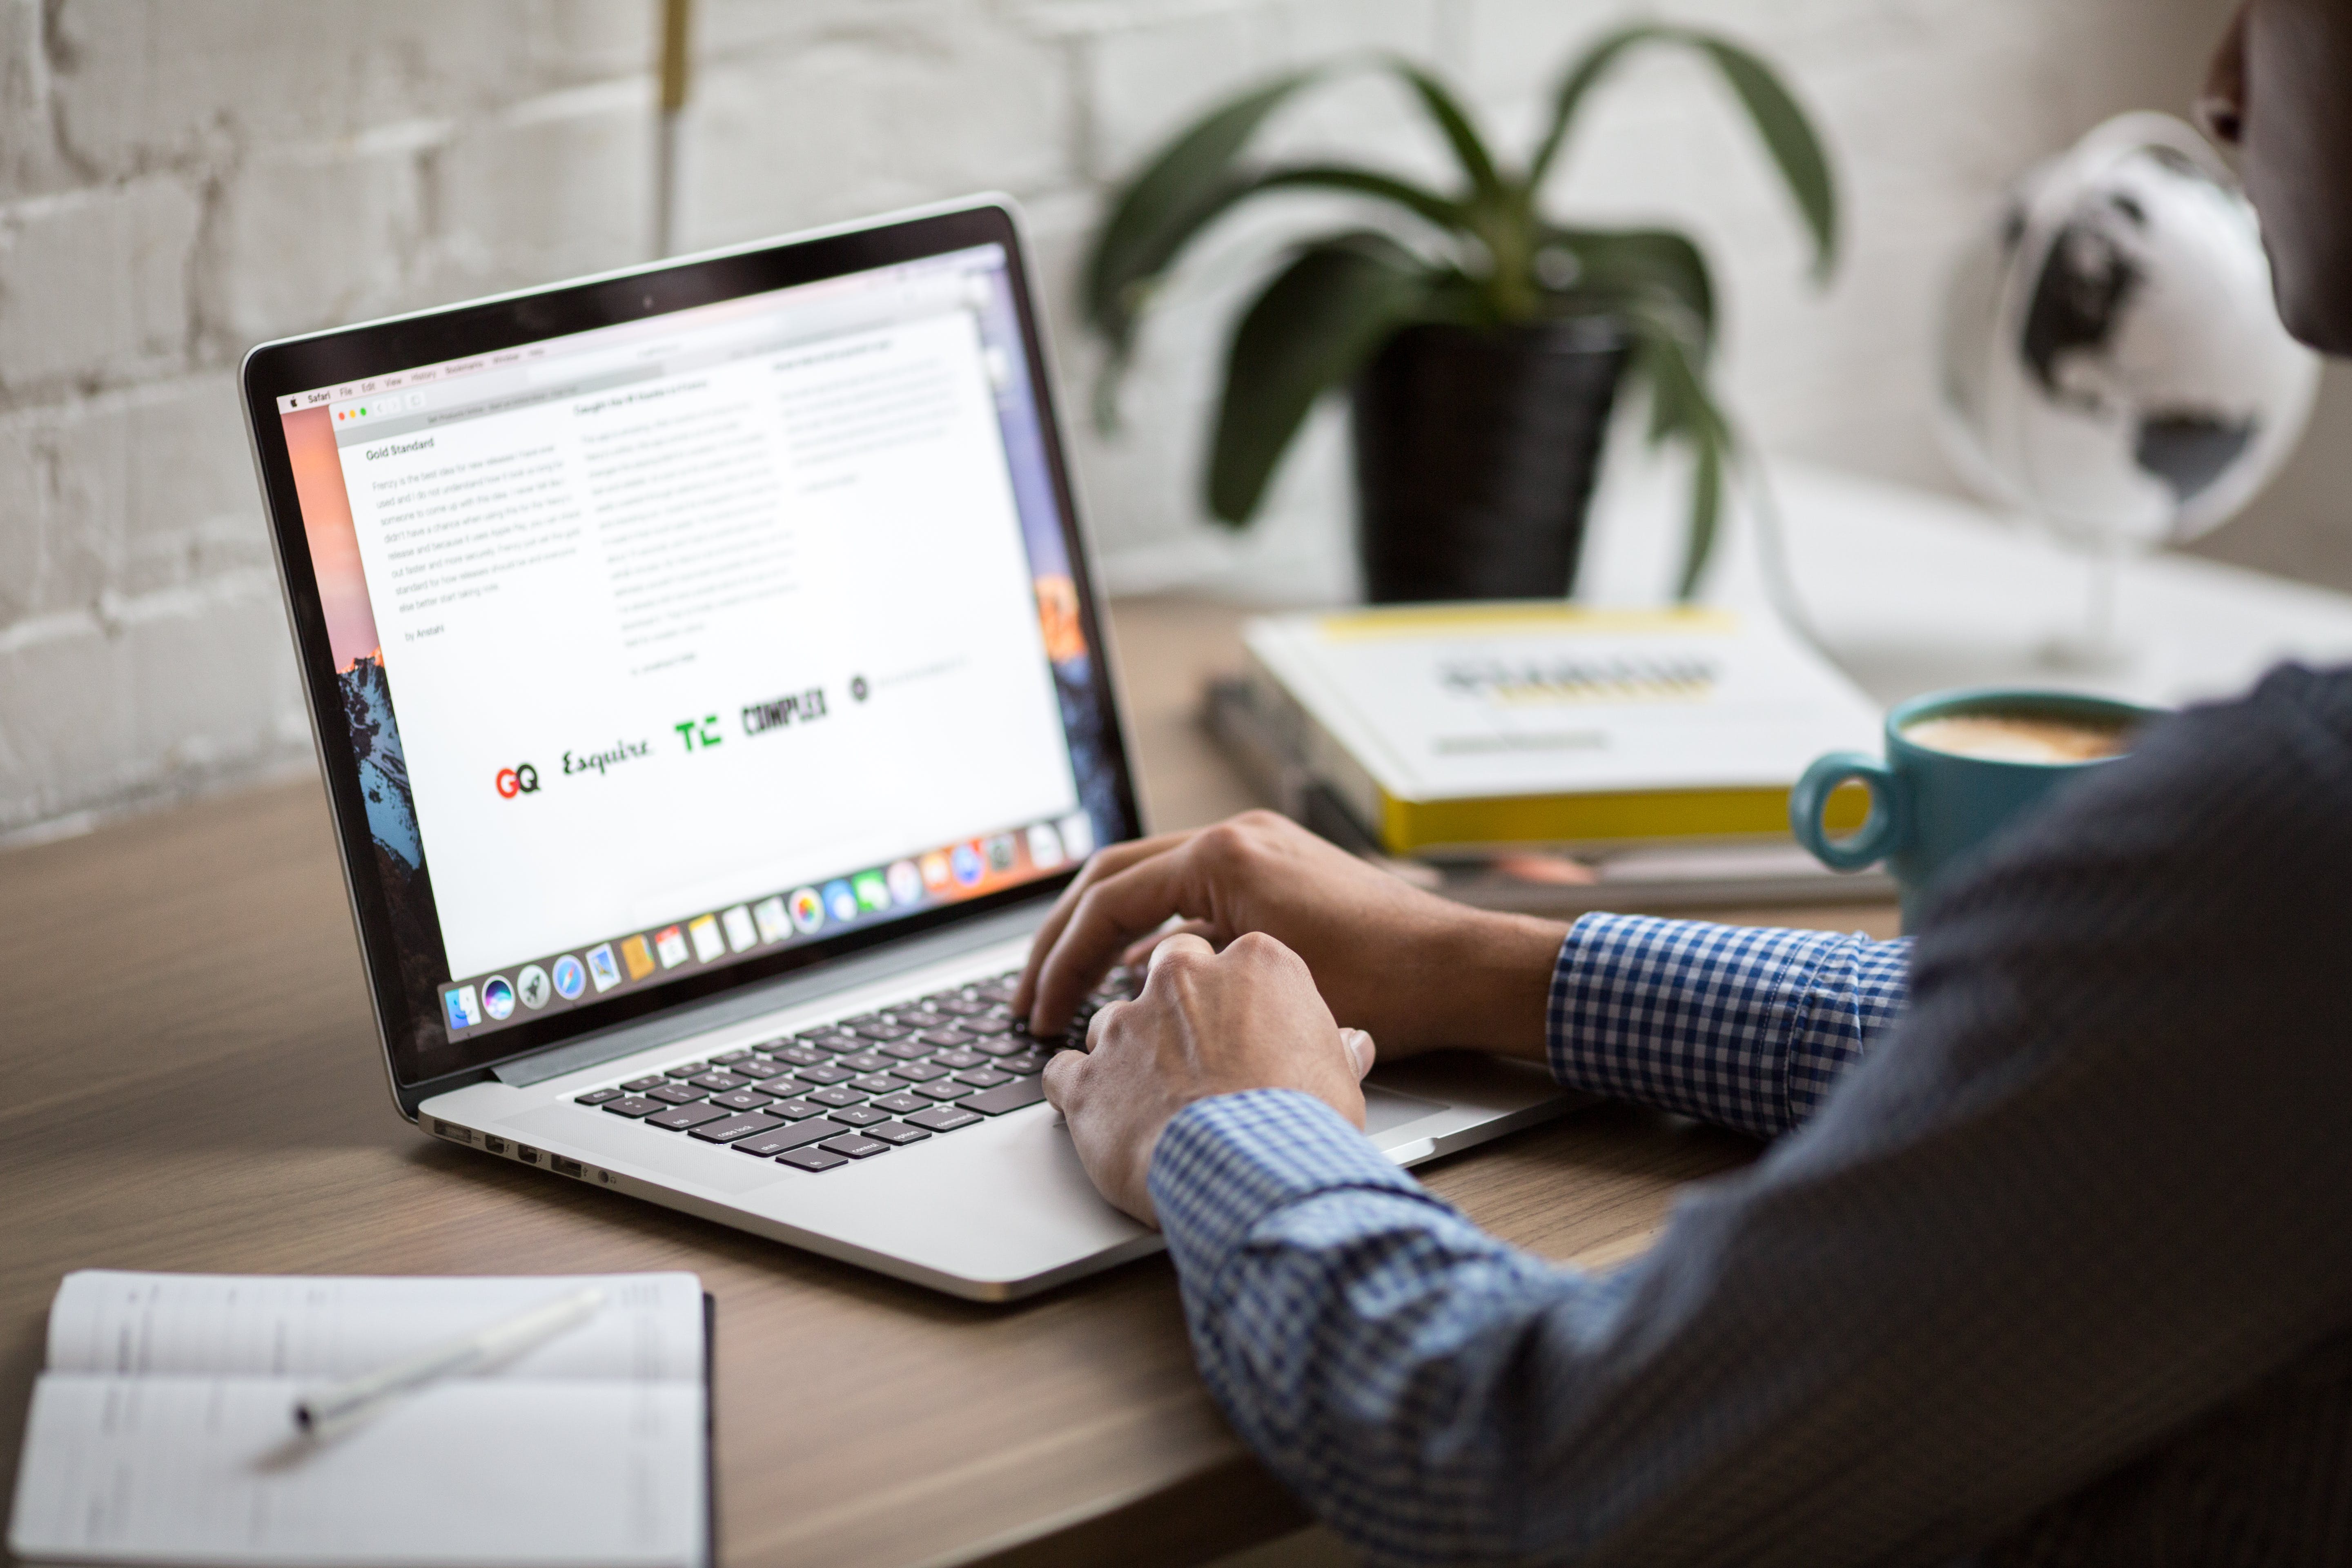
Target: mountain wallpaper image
399	848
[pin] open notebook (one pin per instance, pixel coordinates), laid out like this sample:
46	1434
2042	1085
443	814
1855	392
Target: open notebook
161	1431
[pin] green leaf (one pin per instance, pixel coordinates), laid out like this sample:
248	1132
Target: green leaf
1570	95
1190	182
1706	513
1454	120
1617	265
1310	330
1789	136
1781	123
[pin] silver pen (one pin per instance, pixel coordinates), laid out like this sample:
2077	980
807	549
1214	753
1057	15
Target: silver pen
324	1412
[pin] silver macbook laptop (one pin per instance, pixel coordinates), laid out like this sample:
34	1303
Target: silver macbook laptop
712	699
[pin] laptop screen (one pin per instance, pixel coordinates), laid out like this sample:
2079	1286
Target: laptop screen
673	646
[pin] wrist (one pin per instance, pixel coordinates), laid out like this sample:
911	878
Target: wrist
1487	985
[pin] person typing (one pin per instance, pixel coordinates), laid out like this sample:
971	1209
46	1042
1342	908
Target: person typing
2045	1263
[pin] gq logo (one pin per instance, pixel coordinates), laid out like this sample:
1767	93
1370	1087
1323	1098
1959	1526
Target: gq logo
520	779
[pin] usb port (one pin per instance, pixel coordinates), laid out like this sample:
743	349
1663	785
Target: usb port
456	1134
563	1167
495	1145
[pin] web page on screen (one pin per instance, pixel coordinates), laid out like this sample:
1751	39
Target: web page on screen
701	635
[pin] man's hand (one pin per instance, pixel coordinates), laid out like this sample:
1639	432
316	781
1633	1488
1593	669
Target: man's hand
1415	970
1206	1023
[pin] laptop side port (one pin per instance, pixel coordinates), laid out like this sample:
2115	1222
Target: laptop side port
495	1145
562	1166
527	1155
454	1133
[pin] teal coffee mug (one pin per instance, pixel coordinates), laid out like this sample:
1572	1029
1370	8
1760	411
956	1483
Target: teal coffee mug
1960	766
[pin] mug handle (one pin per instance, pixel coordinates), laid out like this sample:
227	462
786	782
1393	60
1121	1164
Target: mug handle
1882	832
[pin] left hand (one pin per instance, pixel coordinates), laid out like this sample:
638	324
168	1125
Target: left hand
1206	1023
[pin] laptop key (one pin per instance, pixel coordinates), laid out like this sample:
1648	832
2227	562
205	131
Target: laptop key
984	1024
943	1119
639	1085
734	1126
759	1069
865	1061
895	1132
958	1059
986	1078
685	1070
839	1094
596	1096
859	1116
793	1137
793	1109
725	1057
999	1046
676	1094
1012	1096
876	1083
917	1072
856	1145
831	1039
812	1160
1026	1062
801	1056
902	1102
942	1091
906	1051
717	1082
882	1031
743	1100
942	1040
679	1117
827	1074
632	1105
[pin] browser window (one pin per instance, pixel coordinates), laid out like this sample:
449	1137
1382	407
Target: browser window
671	643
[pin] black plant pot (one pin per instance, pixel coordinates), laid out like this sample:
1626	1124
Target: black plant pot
1475	458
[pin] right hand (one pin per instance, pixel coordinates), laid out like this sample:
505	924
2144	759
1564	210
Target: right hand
1414	970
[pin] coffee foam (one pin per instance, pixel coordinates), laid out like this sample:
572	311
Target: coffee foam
2018	737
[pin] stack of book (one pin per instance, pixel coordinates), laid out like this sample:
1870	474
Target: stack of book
1549	758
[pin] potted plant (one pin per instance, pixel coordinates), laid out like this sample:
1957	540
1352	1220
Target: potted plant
1484	342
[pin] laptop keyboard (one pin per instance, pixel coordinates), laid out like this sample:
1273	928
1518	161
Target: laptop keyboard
858	1087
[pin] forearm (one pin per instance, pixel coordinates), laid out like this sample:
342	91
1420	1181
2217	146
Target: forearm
1370	1343
1745	1026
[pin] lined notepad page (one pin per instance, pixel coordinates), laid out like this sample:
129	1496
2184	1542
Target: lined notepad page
161	1430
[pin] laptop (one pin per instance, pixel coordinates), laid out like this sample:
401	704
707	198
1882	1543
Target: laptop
712	696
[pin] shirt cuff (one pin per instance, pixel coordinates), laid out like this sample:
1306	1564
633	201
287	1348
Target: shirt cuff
1224	1164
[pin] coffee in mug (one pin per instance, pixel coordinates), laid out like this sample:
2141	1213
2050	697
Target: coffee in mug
1960	766
2020	737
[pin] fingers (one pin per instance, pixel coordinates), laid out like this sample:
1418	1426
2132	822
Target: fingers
1177	942
1118	911
1360	1050
1105	862
1141	952
1062	1071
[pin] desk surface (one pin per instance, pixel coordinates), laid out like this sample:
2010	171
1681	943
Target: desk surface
193	1085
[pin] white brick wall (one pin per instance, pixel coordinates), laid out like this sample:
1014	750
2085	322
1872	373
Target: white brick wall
180	178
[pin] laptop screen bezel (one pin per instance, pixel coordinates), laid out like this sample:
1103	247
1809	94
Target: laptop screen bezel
274	371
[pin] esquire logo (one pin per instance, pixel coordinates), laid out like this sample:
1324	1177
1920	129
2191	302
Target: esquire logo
619	752
520	779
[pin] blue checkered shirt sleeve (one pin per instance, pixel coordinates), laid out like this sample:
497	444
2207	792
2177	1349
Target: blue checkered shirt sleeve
2053	1277
1746	1026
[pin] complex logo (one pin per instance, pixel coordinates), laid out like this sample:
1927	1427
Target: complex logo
782	713
520	779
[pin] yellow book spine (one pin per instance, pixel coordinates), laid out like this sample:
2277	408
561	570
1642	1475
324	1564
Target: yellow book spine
1411	827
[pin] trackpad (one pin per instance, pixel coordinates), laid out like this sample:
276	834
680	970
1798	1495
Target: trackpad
1385	1109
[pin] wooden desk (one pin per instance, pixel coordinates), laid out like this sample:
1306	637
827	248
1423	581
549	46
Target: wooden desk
192	1084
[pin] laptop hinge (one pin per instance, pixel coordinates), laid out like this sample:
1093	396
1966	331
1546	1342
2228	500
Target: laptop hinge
791	990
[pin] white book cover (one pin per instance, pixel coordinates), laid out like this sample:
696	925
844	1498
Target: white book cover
1471	702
